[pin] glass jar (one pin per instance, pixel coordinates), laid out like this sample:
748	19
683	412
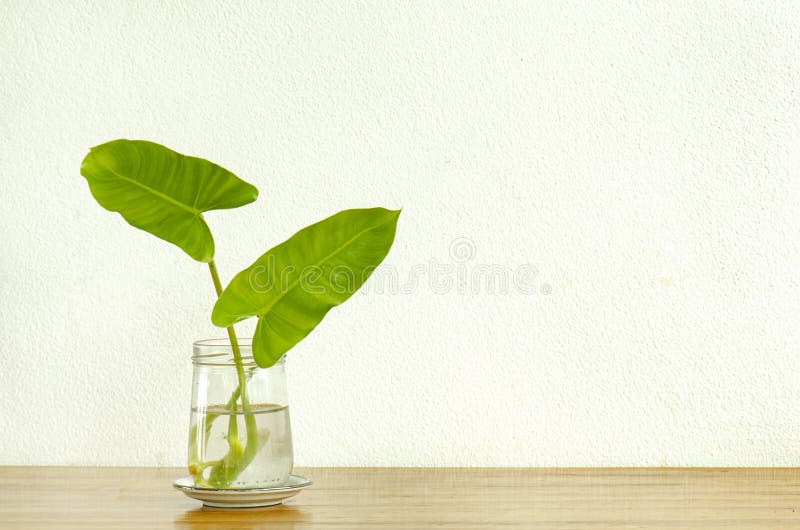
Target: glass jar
237	443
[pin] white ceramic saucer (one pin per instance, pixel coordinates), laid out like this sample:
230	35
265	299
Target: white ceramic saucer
244	498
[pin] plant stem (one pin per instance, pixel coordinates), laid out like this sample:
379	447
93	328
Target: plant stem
237	355
236	453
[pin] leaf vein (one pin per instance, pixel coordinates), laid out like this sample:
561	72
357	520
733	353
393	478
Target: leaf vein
294	283
161	195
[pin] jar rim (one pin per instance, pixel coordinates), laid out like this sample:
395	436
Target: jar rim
218	352
223	342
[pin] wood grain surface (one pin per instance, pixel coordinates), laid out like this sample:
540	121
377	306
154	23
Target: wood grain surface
385	498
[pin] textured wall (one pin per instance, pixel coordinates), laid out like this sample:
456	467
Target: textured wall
631	172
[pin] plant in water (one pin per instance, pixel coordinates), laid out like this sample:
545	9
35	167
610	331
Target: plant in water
289	288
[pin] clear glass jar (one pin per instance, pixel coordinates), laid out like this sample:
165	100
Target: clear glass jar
236	443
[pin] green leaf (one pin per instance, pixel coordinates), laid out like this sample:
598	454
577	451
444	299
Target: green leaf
292	286
164	192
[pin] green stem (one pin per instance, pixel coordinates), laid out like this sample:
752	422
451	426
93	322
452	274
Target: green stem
237	355
234	458
206	421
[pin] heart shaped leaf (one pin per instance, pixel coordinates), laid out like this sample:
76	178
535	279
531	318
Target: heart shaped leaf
294	285
164	192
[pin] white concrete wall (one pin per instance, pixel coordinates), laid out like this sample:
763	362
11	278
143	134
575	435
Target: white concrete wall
643	157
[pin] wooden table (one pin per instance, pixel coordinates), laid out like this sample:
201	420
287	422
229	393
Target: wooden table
381	498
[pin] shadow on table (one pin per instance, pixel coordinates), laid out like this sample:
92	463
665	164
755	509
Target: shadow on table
280	517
